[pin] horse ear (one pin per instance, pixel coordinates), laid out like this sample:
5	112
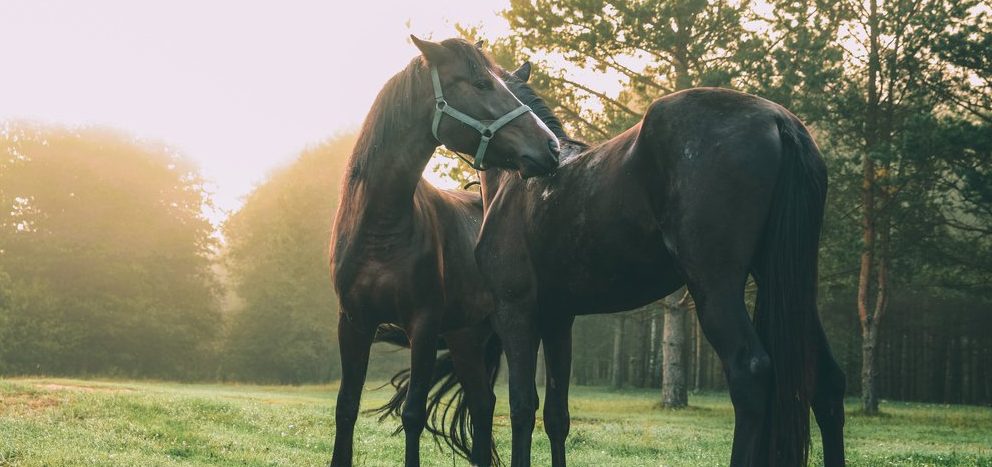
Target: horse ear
434	53
480	43
523	73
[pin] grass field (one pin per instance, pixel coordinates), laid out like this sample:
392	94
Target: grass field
56	422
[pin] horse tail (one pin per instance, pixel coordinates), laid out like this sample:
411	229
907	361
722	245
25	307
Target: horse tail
395	335
786	272
449	419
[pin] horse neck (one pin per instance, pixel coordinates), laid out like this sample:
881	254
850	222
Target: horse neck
388	175
490	181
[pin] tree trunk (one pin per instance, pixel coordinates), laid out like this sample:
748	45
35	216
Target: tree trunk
616	375
698	356
948	371
644	350
674	364
871	259
965	374
869	392
654	368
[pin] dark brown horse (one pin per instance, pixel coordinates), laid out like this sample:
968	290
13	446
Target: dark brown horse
711	186
402	250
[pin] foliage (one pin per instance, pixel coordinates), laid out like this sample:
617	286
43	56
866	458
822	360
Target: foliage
108	252
282	327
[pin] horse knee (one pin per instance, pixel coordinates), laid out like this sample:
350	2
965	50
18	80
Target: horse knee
750	382
489	404
414	419
556	422
522	412
828	400
346	410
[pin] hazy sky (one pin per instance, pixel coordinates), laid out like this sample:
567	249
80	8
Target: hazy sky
240	87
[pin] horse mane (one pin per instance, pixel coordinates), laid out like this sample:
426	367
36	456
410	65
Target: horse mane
540	107
392	108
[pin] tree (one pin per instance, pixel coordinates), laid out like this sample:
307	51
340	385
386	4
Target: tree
617	375
674	392
888	97
109	253
276	254
655	48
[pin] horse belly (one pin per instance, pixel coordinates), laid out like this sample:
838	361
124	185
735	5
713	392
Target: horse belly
609	276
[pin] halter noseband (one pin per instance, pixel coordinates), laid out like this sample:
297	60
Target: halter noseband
487	132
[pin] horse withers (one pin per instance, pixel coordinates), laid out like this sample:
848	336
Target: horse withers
402	250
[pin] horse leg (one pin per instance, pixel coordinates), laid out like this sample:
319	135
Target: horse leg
828	399
518	330
468	353
354	341
746	365
557	339
423	353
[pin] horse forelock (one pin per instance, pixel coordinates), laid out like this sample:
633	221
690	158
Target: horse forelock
478	61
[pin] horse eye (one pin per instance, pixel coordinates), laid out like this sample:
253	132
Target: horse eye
483	84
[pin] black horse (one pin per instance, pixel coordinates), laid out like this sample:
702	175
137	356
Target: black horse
711	186
402	250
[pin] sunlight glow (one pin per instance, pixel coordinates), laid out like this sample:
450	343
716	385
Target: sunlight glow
238	87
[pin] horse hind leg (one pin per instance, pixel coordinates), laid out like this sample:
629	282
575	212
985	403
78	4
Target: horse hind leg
747	367
423	353
354	341
828	399
468	353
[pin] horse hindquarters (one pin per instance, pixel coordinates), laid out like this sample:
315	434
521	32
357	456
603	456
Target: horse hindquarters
714	200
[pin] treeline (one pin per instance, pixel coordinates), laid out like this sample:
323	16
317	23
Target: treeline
105	257
898	95
932	350
109	266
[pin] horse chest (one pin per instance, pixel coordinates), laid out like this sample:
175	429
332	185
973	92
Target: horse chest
385	289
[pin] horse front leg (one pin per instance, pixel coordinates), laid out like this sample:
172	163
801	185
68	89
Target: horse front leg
557	339
423	353
517	327
354	341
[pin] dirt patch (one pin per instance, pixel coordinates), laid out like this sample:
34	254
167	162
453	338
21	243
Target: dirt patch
79	388
26	403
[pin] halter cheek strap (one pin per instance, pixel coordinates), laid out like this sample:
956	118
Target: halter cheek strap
487	131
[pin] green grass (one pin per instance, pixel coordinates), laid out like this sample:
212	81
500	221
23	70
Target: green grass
55	422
